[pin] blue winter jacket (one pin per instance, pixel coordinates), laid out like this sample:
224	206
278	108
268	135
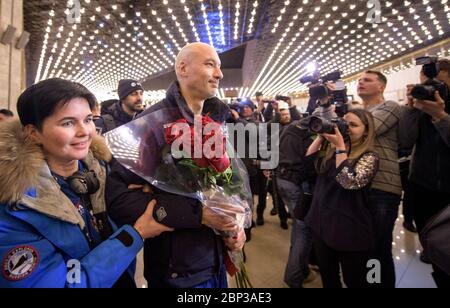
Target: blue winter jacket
41	240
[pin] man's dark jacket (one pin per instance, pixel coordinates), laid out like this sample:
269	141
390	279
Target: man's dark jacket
114	117
193	253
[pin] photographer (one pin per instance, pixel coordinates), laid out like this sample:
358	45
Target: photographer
291	173
428	125
385	196
285	113
340	218
287	108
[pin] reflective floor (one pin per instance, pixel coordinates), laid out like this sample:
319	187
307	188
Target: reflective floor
268	251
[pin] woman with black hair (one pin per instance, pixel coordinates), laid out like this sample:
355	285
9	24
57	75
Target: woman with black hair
54	231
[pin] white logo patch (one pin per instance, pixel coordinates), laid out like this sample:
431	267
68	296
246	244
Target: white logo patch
161	213
20	263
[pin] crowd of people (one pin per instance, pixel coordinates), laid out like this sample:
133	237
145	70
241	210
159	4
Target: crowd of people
73	216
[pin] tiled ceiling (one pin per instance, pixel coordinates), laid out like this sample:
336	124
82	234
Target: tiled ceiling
139	39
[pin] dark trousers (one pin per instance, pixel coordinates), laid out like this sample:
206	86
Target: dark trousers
441	278
353	264
408	207
427	203
384	208
262	187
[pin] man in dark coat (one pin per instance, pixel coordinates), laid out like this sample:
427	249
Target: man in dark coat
192	255
131	94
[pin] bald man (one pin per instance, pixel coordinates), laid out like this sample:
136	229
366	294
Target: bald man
192	255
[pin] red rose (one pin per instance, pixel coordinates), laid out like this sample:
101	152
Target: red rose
174	131
208	155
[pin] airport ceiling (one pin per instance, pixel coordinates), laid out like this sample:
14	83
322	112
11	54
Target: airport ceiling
98	42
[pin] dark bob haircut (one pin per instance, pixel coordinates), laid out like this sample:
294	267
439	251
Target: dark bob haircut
40	101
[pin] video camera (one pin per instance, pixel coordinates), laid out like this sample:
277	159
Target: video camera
319	90
337	96
426	90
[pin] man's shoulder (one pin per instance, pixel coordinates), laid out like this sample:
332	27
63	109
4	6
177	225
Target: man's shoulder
393	105
387	107
158	106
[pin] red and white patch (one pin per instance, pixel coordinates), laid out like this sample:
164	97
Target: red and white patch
20	263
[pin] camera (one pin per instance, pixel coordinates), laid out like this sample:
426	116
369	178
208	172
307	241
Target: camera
319	125
319	90
282	98
426	90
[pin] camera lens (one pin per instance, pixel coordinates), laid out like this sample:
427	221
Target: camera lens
321	126
316	125
423	92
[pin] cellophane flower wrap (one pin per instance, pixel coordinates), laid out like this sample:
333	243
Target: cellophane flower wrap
195	160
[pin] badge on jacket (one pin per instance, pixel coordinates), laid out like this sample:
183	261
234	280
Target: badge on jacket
161	214
19	263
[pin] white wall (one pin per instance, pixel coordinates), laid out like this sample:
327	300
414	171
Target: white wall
301	103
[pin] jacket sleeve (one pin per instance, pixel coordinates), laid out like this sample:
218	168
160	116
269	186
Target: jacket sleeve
125	206
409	127
359	176
295	115
443	127
386	117
46	267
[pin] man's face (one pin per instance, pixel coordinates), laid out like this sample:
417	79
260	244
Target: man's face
202	73
285	117
370	85
246	112
134	101
259	98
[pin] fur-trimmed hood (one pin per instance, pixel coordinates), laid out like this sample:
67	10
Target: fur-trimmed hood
23	167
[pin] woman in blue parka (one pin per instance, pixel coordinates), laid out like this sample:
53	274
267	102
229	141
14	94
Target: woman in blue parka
54	231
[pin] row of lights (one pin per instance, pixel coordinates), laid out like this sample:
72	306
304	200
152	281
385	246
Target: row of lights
140	56
274	82
252	18
67	54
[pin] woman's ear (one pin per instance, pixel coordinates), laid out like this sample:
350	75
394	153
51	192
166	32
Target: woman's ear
33	133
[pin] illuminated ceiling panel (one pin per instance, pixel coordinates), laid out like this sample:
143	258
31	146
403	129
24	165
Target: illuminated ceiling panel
109	40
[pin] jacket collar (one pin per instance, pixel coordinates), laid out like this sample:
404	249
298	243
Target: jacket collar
120	114
213	107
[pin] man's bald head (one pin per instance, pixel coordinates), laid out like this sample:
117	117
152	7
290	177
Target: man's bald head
189	52
198	70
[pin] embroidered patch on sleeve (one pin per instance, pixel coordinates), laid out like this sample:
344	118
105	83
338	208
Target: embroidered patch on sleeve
19	263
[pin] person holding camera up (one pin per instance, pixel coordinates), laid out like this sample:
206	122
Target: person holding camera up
427	123
52	204
290	174
385	196
340	217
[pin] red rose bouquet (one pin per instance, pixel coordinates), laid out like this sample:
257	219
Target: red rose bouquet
190	159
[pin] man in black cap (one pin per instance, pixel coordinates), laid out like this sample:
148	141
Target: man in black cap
129	105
